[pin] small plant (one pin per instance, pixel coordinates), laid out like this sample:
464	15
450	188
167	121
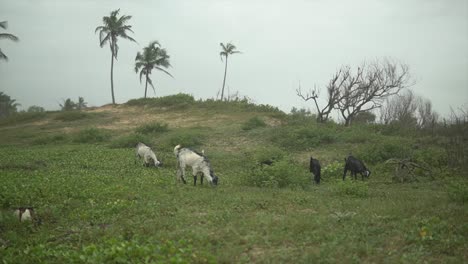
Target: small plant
283	173
69	116
152	128
252	123
333	170
458	191
22	118
178	100
351	188
190	138
129	141
35	109
304	137
50	139
91	135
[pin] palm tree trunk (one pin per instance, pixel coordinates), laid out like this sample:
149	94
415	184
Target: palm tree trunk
112	77
146	85
224	80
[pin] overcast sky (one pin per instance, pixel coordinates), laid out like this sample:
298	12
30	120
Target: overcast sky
282	42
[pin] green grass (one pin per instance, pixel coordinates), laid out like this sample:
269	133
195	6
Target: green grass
97	205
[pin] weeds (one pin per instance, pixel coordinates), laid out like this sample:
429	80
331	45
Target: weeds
70	116
152	128
91	135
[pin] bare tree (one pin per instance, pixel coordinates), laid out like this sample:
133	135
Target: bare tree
369	86
400	108
427	118
333	95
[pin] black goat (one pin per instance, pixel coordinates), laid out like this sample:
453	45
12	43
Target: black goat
355	166
315	168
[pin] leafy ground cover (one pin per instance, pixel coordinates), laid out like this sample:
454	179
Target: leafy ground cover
95	204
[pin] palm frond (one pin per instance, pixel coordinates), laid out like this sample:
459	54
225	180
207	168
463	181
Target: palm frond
143	72
104	40
4	24
151	83
125	36
3	56
8	36
161	69
123	19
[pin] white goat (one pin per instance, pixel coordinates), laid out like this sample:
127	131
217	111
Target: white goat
145	152
198	162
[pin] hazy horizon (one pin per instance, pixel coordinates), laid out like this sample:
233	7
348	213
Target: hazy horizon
283	43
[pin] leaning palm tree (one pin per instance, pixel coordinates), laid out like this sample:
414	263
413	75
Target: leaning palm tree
4	25
113	28
153	57
227	50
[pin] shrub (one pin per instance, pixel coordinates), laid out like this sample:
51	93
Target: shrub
91	135
152	128
458	191
283	173
35	109
351	188
50	139
436	157
252	123
333	170
22	117
69	116
264	154
382	151
304	137
129	141
178	100
186	138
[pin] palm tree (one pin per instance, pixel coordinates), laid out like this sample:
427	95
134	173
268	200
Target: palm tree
4	25
153	57
113	28
8	106
227	50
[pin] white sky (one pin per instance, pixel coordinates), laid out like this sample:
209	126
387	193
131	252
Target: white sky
284	42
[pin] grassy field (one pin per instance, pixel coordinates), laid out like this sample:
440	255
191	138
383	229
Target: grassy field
95	205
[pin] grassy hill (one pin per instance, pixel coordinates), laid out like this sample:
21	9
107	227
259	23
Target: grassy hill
95	205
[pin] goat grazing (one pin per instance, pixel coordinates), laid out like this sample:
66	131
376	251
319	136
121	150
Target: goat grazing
355	166
24	213
145	152
315	168
198	162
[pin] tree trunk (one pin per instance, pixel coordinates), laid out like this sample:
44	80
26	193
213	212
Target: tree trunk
112	77
146	85
224	80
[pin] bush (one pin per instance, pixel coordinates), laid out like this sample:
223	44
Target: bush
69	116
304	137
252	123
351	188
283	173
186	138
265	154
91	135
50	139
382	151
152	128
129	141
435	157
458	191
22	117
178	100
333	170
35	109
